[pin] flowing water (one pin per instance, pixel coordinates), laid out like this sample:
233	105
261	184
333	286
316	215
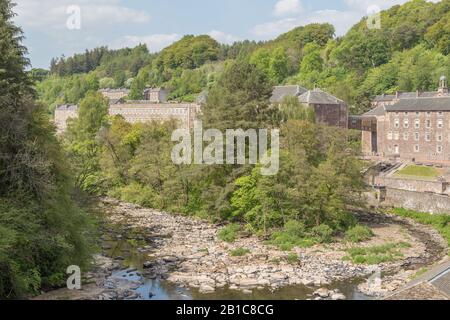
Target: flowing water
126	245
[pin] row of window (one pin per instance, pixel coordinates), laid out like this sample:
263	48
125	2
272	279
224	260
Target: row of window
396	149
428	123
428	114
416	135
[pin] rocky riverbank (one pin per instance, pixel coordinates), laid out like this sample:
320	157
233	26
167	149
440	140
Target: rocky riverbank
188	253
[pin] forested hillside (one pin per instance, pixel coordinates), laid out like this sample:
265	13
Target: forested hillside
42	231
408	53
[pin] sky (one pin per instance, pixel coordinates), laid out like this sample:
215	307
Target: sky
63	27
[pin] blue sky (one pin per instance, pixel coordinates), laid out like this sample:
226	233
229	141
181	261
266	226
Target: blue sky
158	23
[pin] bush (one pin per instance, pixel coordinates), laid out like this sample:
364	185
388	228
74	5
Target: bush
137	194
293	235
377	254
240	252
358	234
292	258
229	233
323	233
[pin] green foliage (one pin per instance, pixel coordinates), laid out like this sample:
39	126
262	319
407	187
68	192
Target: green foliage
42	231
441	222
375	255
293	235
240	252
229	233
358	234
292	258
322	233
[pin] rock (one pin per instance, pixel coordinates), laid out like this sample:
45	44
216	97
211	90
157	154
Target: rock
248	283
204	288
119	258
148	264
322	292
338	296
246	291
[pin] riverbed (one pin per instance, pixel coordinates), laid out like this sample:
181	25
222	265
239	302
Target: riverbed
152	255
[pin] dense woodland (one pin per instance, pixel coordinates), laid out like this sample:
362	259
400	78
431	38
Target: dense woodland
308	202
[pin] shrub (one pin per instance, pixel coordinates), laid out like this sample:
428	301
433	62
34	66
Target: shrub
240	252
137	194
377	254
293	235
229	233
323	233
358	234
292	258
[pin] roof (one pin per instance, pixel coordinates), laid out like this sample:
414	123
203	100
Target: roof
67	107
421	104
407	95
318	96
375	112
281	92
115	90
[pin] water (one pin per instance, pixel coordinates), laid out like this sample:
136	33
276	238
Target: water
130	240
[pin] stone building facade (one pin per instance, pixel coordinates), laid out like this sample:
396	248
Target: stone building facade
138	112
145	111
115	94
328	109
63	114
156	95
409	126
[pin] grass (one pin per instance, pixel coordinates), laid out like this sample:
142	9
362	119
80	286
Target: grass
359	234
240	252
440	222
229	233
292	258
419	172
375	255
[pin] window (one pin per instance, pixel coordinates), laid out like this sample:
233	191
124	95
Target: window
417	114
416	136
397	123
406	114
439	137
428	124
440	114
405	136
396	136
416	148
427	137
439	149
417	124
406	123
440	123
389	136
428	114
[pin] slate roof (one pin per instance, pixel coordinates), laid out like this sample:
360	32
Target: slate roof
421	104
408	95
67	107
280	92
318	96
378	111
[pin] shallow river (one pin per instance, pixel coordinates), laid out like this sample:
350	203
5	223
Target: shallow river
125	246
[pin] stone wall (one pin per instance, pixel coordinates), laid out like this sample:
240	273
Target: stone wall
331	114
417	201
61	117
412	185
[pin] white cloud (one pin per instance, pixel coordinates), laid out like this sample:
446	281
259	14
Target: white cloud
223	37
154	42
52	14
342	21
288	7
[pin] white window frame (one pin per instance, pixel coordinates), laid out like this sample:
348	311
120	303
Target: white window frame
416	136
439	149
416	148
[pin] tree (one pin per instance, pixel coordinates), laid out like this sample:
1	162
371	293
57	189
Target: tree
41	229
